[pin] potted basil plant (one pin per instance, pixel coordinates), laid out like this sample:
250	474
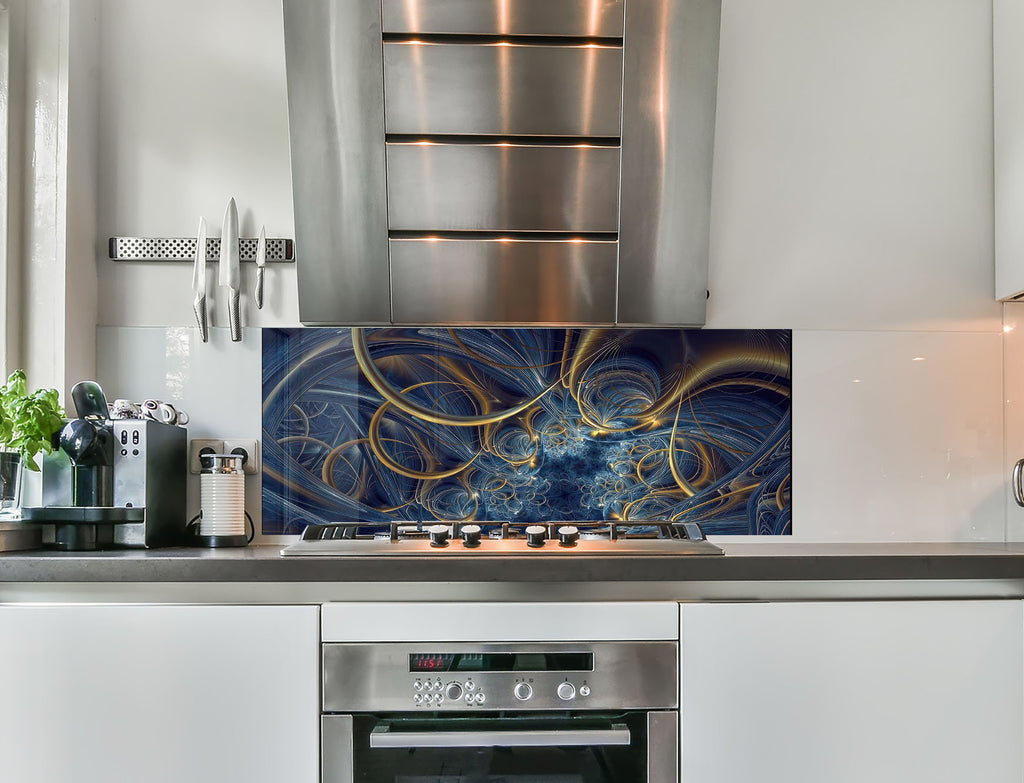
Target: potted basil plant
28	423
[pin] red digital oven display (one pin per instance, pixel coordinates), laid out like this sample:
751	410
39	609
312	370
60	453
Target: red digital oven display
431	662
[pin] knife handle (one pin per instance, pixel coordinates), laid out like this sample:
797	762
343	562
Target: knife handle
258	293
234	317
199	306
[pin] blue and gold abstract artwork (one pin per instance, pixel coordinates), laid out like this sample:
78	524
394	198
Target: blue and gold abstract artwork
420	424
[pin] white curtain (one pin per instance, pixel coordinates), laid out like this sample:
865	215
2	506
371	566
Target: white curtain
7	328
48	249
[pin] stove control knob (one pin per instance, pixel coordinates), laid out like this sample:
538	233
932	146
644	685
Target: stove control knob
568	535
453	691
566	691
470	535
438	535
522	691
535	535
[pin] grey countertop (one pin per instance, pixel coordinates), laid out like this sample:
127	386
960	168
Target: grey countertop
742	563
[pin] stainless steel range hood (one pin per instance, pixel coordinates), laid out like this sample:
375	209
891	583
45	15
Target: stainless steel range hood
502	161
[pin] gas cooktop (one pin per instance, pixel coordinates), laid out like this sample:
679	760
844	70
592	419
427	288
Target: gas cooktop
567	538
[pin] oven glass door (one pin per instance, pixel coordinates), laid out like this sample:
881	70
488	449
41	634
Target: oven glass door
604	748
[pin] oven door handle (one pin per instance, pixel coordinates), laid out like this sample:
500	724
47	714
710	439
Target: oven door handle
382	737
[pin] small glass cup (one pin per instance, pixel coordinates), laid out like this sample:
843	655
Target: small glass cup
10	484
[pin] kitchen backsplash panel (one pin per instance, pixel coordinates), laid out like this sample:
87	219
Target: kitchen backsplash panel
527	425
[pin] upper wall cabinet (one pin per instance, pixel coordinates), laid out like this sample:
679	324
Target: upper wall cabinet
1008	108
502	162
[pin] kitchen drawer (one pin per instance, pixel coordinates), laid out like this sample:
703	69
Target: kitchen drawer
502	89
502	187
495	281
600	18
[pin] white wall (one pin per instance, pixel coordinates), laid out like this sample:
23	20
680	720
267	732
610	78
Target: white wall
852	203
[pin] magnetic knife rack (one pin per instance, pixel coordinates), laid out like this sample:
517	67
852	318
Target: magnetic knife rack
279	251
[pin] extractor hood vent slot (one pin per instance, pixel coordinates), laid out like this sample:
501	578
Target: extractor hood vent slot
497	39
509	141
510	236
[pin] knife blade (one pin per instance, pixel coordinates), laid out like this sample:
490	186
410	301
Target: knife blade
261	262
229	274
199	282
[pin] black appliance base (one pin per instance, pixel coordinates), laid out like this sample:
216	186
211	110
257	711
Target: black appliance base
218	541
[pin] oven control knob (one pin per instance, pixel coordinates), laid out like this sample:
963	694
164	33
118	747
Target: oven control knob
568	535
470	535
453	691
584	690
522	691
566	691
535	535
438	535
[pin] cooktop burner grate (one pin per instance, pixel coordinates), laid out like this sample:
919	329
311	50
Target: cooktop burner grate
566	538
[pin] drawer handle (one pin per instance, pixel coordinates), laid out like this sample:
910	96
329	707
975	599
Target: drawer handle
383	737
1018	489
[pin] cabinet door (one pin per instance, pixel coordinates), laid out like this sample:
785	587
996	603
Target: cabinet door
160	694
1008	151
886	691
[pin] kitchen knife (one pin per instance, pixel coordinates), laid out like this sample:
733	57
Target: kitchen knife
229	275
199	281
261	262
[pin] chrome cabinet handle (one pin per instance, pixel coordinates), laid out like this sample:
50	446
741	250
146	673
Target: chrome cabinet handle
1018	489
383	737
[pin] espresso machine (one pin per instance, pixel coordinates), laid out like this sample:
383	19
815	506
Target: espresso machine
112	482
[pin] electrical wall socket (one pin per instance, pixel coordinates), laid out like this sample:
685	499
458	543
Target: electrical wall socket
198	446
249	448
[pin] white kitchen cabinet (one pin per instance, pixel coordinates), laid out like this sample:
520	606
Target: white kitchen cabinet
849	692
1008	151
159	694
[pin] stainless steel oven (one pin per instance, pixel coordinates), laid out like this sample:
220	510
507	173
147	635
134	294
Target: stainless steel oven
517	712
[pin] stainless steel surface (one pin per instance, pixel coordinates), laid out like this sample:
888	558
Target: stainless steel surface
463	281
490	547
336	120
19	536
336	748
279	251
463	80
261	262
1018	489
502	187
150	468
199	282
505	89
383	737
662	747
592	18
670	82
376	677
228	269
221	463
